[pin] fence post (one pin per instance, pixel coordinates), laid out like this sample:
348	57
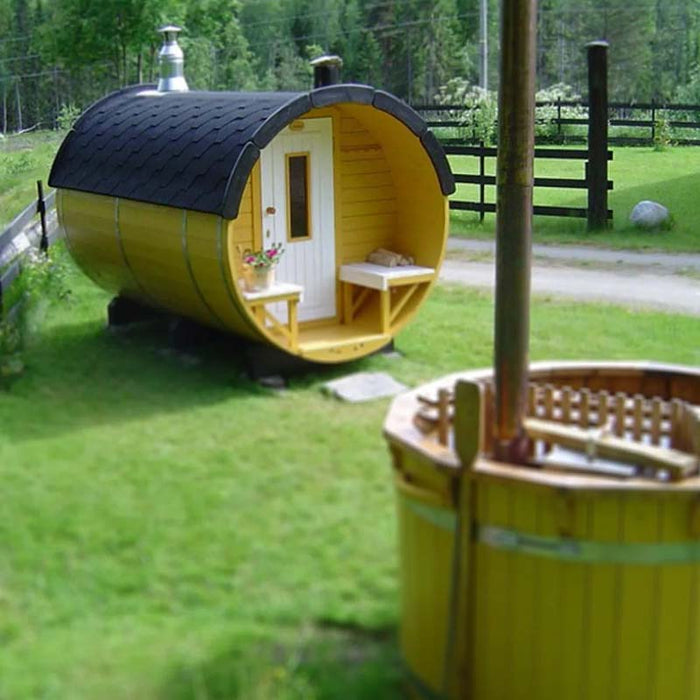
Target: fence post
653	121
41	210
559	136
597	171
482	175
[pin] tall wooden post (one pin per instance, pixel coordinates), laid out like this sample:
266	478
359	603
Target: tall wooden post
41	209
516	144
597	171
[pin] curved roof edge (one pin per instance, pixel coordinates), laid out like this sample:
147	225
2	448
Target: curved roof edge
337	94
196	150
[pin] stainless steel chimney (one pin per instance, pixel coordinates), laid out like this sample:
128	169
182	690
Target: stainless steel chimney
171	61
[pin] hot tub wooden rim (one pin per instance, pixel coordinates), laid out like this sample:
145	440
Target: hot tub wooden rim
400	431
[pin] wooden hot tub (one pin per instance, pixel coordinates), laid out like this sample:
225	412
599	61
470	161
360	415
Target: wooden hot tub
576	576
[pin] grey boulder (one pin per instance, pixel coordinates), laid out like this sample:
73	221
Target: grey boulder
648	214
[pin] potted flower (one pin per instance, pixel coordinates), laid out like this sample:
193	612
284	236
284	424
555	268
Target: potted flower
259	267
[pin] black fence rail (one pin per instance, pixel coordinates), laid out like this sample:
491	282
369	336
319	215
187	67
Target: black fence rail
482	180
24	233
630	123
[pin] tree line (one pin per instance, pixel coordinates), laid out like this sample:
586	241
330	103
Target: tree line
61	54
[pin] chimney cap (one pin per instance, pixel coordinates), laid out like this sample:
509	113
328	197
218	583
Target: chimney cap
327	60
170	29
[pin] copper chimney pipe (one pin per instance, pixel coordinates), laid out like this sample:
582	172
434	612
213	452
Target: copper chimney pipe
516	142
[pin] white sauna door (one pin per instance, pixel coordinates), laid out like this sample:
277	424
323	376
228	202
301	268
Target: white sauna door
296	171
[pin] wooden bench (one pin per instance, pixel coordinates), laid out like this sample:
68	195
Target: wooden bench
280	291
360	280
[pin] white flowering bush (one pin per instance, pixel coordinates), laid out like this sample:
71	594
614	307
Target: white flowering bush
546	116
480	108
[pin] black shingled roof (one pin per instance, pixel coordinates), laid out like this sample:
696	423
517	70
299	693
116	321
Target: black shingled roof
195	150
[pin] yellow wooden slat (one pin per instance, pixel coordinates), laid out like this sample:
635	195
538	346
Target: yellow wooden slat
203	251
426	575
362	163
482	642
349	124
380	206
676	650
152	239
242	230
381	178
368	194
693	667
369	235
367	153
638	601
89	224
603	601
548	638
571	580
523	591
358	139
382	224
493	638
246	204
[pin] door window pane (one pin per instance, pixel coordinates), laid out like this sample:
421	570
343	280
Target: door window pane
298	195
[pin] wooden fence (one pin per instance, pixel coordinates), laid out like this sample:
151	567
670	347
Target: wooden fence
482	152
644	123
23	234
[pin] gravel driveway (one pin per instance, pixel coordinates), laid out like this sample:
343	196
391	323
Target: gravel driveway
641	280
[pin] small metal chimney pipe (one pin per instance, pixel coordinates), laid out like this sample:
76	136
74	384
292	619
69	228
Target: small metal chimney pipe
326	70
171	62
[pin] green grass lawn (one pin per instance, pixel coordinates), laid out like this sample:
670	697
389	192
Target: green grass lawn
172	530
24	160
671	177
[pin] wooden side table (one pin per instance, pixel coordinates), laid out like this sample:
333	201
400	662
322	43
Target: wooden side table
280	291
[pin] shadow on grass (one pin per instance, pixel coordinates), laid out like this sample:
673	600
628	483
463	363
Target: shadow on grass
83	375
679	194
321	663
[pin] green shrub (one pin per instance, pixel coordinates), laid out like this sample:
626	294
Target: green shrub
41	283
662	134
18	162
67	116
11	363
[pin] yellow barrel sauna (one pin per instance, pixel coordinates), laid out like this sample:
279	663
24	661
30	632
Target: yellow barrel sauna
163	194
549	515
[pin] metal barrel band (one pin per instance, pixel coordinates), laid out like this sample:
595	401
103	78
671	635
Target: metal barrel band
440	517
587	551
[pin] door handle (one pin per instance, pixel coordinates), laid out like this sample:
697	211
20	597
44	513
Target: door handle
270	210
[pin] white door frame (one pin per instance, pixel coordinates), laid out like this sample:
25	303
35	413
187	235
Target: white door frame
310	260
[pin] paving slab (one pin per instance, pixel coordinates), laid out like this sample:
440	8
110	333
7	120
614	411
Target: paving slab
364	386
